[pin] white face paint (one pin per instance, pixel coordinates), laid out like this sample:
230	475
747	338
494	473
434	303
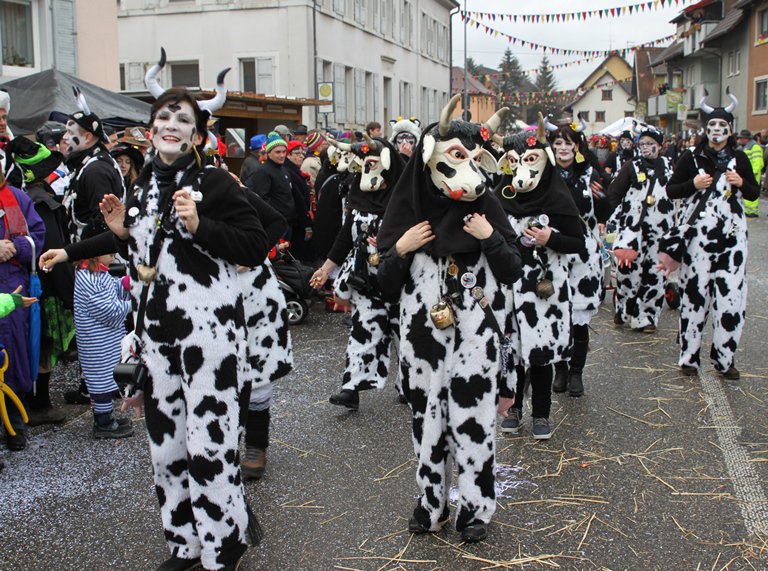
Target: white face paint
455	170
371	179
530	168
718	130
173	131
565	151
74	138
625	143
649	148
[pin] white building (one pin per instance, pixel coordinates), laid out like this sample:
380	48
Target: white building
386	58
74	36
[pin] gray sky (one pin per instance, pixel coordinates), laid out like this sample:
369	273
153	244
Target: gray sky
590	34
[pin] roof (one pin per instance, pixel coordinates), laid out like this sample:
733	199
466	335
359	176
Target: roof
602	65
685	11
626	85
744	3
732	19
474	87
669	53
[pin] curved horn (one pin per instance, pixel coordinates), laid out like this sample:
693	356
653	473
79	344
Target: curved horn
635	127
498	139
703	104
541	134
734	101
339	145
582	123
445	115
150	79
82	104
497	119
217	101
548	125
367	139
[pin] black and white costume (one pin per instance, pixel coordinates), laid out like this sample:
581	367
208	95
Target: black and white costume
450	373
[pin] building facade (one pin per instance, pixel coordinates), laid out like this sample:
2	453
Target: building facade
605	96
74	36
385	58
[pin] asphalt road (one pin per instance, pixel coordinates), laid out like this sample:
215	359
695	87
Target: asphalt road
649	470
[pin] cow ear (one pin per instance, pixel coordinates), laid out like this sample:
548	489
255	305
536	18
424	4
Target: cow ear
393	122
428	148
416	122
551	155
356	165
504	166
486	161
386	159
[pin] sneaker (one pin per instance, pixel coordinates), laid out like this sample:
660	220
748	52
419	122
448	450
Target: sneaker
689	371
254	463
347	398
179	564
105	426
50	415
511	424
77	397
560	381
475	532
732	374
541	429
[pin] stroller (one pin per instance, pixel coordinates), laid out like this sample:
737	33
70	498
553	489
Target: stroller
293	277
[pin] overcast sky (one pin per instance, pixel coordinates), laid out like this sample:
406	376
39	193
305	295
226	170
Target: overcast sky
590	34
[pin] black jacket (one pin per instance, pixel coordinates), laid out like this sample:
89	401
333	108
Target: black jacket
681	183
271	182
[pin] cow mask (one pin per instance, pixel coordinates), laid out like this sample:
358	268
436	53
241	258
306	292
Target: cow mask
525	159
376	159
454	154
341	156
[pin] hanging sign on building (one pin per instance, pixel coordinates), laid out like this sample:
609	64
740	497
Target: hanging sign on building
325	93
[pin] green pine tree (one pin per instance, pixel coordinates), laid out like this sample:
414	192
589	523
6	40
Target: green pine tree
545	81
511	81
472	67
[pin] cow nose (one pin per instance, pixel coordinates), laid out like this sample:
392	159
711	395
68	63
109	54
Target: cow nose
479	188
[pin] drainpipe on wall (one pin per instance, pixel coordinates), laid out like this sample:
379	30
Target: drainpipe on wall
314	59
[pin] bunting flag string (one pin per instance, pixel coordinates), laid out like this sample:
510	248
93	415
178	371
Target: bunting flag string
615	12
562	51
554	96
486	77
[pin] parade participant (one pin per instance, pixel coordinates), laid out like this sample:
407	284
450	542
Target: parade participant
405	134
542	212
447	248
374	321
93	171
710	243
21	231
624	152
130	161
39	166
586	269
754	153
643	213
192	342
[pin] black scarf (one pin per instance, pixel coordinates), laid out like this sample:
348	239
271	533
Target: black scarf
415	199
75	160
551	197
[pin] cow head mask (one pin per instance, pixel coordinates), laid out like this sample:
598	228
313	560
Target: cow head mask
340	154
526	157
454	154
376	159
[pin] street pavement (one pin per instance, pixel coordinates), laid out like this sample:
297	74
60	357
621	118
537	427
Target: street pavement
648	470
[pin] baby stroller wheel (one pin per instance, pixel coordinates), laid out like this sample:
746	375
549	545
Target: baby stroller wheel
672	295
297	310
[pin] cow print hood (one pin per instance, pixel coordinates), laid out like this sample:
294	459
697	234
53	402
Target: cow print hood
415	199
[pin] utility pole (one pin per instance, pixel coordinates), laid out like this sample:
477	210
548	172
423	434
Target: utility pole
465	97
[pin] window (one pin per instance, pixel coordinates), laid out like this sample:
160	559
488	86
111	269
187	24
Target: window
599	116
122	77
734	62
762	27
406	24
339	94
585	115
360	97
607	94
257	74
360	13
16	33
761	94
185	73
338	6
425	103
405	99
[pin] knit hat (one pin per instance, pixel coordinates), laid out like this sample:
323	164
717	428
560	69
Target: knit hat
314	141
35	160
258	141
294	144
274	140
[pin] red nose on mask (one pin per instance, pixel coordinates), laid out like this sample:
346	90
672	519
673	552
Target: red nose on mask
456	194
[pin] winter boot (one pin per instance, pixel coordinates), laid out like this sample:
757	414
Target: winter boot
40	409
560	381
254	460
575	384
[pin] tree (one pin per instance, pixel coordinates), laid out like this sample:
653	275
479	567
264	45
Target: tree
545	81
472	67
511	81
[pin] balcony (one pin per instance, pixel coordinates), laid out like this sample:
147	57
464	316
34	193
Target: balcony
695	35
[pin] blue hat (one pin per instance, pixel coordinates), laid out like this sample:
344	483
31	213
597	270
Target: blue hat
258	141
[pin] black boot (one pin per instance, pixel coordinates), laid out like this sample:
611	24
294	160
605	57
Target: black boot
561	377
178	564
40	409
575	384
254	461
79	396
347	398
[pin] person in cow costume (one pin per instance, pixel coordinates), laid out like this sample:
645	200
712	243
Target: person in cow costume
542	212
710	243
446	252
193	342
405	134
586	269
643	213
374	321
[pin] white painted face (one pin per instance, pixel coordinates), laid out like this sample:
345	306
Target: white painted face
75	138
625	143
173	131
718	130
529	170
455	170
565	150
372	178
649	148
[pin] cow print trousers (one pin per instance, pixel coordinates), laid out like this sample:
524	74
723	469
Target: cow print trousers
640	289
193	434
375	325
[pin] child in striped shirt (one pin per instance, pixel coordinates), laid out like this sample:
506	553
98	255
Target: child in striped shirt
101	304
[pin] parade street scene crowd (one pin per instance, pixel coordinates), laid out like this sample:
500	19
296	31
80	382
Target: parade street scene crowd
484	339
